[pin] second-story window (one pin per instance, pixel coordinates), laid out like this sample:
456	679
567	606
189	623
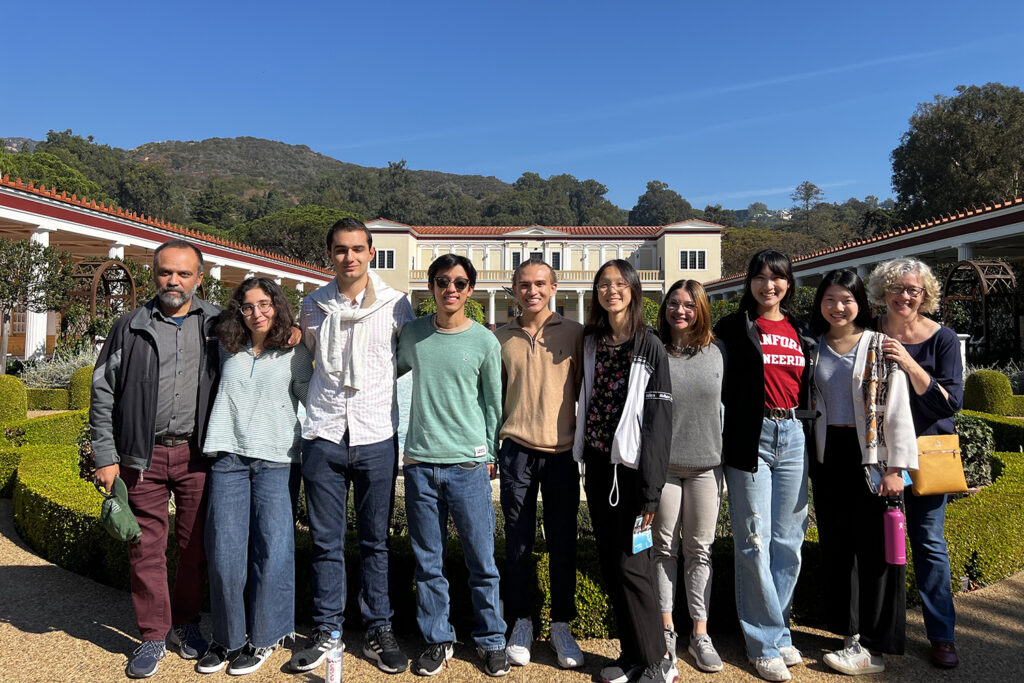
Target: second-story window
693	259
556	260
517	258
384	259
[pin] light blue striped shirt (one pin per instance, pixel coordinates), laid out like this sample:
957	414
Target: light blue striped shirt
254	414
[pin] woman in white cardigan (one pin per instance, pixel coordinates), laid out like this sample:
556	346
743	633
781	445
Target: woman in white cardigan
864	439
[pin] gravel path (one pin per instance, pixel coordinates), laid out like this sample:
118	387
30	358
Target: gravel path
55	625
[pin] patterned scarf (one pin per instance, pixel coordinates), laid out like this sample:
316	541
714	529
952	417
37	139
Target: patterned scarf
876	393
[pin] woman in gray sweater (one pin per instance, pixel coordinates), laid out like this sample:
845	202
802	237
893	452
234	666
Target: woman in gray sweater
693	487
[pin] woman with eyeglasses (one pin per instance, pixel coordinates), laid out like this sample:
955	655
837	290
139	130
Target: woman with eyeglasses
929	353
693	490
864	439
623	437
768	365
253	437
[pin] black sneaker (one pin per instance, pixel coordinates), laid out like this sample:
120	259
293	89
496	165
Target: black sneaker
146	658
432	660
382	648
215	659
619	671
250	659
320	643
188	640
495	661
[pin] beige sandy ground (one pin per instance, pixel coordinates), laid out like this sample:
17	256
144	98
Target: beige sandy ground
57	626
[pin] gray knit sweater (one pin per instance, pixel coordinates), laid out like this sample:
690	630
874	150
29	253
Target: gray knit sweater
696	409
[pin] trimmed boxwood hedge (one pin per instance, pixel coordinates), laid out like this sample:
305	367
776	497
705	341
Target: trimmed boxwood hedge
47	399
13	399
57	514
80	388
10	456
989	391
60	428
1007	432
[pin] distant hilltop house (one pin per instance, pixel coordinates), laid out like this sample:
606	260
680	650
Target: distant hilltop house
661	254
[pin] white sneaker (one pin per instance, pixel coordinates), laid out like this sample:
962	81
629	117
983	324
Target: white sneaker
569	654
855	660
520	642
772	669
670	643
790	655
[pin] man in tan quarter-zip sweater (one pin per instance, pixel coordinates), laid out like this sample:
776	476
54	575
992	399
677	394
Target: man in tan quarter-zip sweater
541	370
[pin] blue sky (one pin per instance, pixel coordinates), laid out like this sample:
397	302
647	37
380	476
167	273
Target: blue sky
727	102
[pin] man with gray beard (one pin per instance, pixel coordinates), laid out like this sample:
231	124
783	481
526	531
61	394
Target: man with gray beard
152	390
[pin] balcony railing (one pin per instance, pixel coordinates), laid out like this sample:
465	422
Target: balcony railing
565	277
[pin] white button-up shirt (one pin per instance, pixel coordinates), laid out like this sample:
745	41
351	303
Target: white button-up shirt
371	414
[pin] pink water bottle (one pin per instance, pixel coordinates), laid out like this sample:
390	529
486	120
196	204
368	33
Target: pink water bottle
895	533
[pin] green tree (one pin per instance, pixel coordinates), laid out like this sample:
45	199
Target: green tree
147	189
961	151
651	312
450	206
102	164
716	214
740	244
36	278
298	232
660	206
474	311
42	168
401	200
214	207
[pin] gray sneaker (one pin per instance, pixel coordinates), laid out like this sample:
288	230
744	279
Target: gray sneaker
146	658
704	654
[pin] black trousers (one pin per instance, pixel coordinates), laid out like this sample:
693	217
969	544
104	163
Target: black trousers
628	578
523	471
863	593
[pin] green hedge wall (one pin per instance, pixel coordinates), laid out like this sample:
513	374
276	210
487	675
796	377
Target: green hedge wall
80	388
10	457
60	429
989	391
1007	432
13	399
57	514
47	399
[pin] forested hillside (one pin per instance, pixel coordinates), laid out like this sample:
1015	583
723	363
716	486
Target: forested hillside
278	196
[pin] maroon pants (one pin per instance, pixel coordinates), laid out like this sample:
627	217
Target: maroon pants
182	471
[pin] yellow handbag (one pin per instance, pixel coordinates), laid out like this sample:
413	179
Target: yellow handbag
940	467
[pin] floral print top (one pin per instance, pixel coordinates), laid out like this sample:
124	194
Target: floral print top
611	376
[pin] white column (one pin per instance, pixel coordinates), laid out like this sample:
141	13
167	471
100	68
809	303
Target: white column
469	253
215	270
551	303
579	305
618	251
963	354
35	323
964	252
434	256
116	251
546	250
490	307
300	286
250	274
277	281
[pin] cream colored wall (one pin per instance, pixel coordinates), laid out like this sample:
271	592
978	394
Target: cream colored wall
669	247
404	247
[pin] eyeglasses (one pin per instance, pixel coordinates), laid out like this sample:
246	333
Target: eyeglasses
249	310
606	287
442	282
912	292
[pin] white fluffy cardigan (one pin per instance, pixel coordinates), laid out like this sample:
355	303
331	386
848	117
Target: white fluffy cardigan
897	446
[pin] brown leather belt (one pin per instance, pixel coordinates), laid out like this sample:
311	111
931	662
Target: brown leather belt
170	441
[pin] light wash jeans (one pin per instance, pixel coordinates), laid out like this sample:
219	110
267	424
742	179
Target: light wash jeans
250	546
432	492
689	505
769	518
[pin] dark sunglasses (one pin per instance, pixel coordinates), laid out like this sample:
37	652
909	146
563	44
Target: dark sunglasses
442	282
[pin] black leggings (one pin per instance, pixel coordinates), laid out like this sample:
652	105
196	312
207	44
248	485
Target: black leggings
863	593
628	578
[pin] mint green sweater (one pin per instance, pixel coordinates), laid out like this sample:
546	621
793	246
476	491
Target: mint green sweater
456	392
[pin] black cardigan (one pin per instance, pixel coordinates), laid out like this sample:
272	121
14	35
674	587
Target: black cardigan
743	392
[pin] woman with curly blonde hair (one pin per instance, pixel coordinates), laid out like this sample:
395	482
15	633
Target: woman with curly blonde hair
929	354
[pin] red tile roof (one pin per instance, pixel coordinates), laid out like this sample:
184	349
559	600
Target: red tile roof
902	230
611	230
119	212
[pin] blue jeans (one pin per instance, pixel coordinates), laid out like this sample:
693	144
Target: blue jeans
926	518
432	492
250	546
327	470
768	509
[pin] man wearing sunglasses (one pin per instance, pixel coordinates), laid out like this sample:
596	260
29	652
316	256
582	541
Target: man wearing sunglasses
449	462
541	375
351	325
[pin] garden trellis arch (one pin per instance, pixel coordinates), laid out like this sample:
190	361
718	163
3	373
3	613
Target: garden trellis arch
983	290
